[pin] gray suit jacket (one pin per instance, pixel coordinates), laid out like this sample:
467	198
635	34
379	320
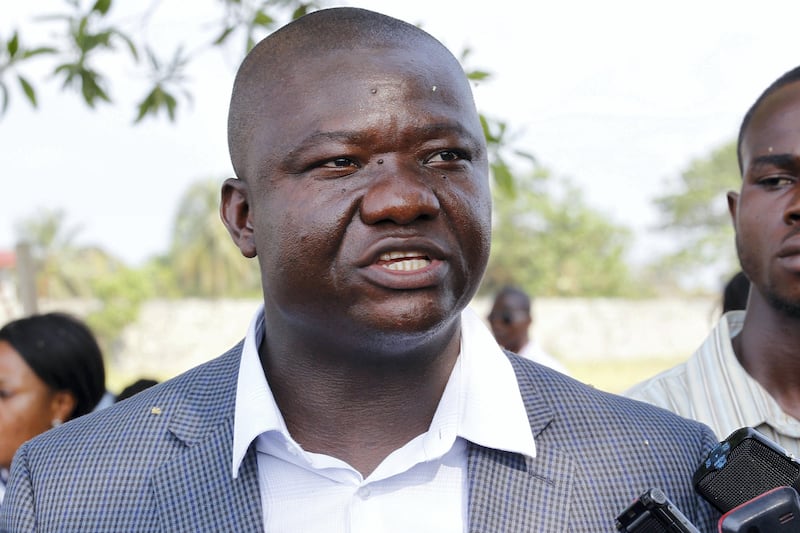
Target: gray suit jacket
160	461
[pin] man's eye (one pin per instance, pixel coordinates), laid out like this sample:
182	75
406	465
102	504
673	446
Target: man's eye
339	162
446	156
776	181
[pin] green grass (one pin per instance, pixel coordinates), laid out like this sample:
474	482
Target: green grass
617	375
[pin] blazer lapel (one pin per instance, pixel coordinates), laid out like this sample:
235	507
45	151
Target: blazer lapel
196	491
510	492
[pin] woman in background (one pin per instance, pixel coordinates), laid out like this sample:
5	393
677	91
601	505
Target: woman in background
51	371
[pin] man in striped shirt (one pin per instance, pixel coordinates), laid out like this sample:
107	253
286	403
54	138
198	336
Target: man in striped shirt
747	372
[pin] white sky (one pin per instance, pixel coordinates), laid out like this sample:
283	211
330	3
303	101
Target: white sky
617	95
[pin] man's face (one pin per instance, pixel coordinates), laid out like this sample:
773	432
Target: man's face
367	192
509	322
766	213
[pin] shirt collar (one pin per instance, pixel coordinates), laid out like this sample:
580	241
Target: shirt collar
3	480
256	411
494	414
752	413
763	408
482	394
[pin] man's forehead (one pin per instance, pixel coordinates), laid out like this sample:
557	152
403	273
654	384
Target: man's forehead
775	126
772	108
335	29
274	66
334	77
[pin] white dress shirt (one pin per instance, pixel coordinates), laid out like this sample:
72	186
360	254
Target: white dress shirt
3	481
420	487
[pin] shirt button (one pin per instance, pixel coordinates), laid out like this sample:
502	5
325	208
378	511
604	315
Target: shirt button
364	492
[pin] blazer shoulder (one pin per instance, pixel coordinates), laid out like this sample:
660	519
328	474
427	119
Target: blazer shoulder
199	398
572	400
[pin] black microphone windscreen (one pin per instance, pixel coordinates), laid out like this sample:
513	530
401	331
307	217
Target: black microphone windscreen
743	466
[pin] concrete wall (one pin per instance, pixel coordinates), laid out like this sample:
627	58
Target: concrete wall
599	329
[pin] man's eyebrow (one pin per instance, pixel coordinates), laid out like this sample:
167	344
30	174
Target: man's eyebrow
317	138
427	131
449	128
342	136
788	161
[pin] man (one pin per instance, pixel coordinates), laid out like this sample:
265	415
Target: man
510	320
747	372
364	397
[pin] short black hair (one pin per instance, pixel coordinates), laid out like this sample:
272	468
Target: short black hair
520	295
787	78
735	293
62	351
135	388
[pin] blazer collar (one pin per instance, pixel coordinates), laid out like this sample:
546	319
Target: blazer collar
207	400
529	484
195	490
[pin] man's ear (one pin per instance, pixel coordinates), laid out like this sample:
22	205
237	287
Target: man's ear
733	205
234	209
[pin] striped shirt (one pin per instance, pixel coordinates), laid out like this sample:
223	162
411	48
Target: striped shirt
712	387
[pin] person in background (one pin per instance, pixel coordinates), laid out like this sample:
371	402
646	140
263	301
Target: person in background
51	371
107	400
747	372
135	388
735	293
365	395
511	320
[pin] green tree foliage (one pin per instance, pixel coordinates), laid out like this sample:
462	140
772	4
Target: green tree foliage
119	295
86	32
66	269
203	258
552	244
63	268
696	214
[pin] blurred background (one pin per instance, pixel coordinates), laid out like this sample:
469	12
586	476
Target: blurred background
612	131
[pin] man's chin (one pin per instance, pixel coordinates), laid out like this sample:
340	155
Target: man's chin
785	306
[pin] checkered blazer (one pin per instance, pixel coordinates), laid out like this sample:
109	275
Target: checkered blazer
160	461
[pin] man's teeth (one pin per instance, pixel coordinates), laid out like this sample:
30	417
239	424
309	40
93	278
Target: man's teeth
404	261
408	265
389	256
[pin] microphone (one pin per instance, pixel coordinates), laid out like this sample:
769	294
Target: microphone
742	467
653	512
775	511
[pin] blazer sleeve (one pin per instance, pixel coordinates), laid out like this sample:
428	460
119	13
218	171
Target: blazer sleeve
17	510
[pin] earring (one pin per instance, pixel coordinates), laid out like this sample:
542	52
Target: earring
56	422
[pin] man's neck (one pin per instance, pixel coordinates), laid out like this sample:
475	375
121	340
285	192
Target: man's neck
361	409
768	347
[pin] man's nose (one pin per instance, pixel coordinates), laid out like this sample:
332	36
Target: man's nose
400	192
791	214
